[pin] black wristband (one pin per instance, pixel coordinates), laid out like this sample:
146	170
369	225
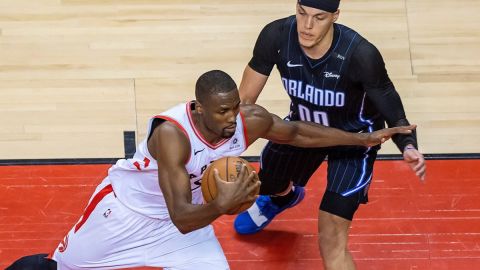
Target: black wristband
402	140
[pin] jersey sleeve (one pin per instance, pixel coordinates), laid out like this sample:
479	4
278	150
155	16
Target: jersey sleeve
368	69
265	52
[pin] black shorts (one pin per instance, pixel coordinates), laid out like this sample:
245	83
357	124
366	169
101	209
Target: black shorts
34	262
349	169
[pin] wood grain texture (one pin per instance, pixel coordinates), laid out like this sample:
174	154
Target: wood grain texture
76	73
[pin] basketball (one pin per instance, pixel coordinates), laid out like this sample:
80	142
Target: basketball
228	169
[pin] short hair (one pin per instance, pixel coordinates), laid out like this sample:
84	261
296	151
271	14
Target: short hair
213	82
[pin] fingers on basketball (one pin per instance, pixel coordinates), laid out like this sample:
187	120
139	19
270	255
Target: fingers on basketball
229	169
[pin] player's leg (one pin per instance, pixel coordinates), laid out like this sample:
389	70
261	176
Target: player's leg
33	262
349	175
199	249
280	165
107	236
333	235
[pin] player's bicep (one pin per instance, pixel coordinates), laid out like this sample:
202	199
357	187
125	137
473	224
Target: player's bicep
281	131
172	149
369	67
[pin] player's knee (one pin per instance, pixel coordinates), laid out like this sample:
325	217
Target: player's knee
329	236
272	186
338	205
33	262
331	241
334	221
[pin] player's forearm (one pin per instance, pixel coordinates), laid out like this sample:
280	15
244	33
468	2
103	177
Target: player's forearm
387	100
314	135
190	217
402	140
251	85
186	216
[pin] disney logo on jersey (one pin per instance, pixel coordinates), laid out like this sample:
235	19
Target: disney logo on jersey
313	95
234	145
329	74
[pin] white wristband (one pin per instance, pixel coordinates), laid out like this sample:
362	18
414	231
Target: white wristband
409	147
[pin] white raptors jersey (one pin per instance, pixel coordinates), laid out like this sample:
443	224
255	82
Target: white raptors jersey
135	181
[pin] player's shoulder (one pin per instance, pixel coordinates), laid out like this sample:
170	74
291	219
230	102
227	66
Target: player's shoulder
169	139
275	27
363	46
255	115
279	23
257	120
168	129
365	52
253	111
366	47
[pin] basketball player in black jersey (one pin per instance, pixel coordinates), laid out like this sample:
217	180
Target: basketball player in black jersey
334	77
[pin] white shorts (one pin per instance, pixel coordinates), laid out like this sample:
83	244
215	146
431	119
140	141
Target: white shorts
110	236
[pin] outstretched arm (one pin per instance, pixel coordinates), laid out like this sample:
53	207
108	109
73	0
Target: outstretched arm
262	124
308	134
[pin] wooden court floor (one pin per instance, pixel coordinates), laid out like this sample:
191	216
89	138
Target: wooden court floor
76	74
406	225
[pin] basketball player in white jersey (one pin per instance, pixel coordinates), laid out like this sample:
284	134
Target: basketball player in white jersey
149	210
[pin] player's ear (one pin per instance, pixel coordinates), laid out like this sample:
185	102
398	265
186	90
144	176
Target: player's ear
198	107
335	15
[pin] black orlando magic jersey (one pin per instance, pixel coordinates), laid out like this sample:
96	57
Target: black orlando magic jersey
321	90
348	88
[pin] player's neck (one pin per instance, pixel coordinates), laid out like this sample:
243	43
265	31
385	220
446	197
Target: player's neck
321	48
205	132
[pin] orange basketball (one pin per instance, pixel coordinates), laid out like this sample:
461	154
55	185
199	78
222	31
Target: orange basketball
228	169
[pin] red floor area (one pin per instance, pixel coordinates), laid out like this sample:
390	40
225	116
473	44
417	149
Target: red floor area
406	225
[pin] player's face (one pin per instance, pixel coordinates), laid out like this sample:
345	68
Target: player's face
313	25
220	113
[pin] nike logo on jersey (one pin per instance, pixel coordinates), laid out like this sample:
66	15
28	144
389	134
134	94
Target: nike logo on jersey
289	64
196	152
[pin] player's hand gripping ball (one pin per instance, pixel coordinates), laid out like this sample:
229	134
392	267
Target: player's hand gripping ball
228	170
